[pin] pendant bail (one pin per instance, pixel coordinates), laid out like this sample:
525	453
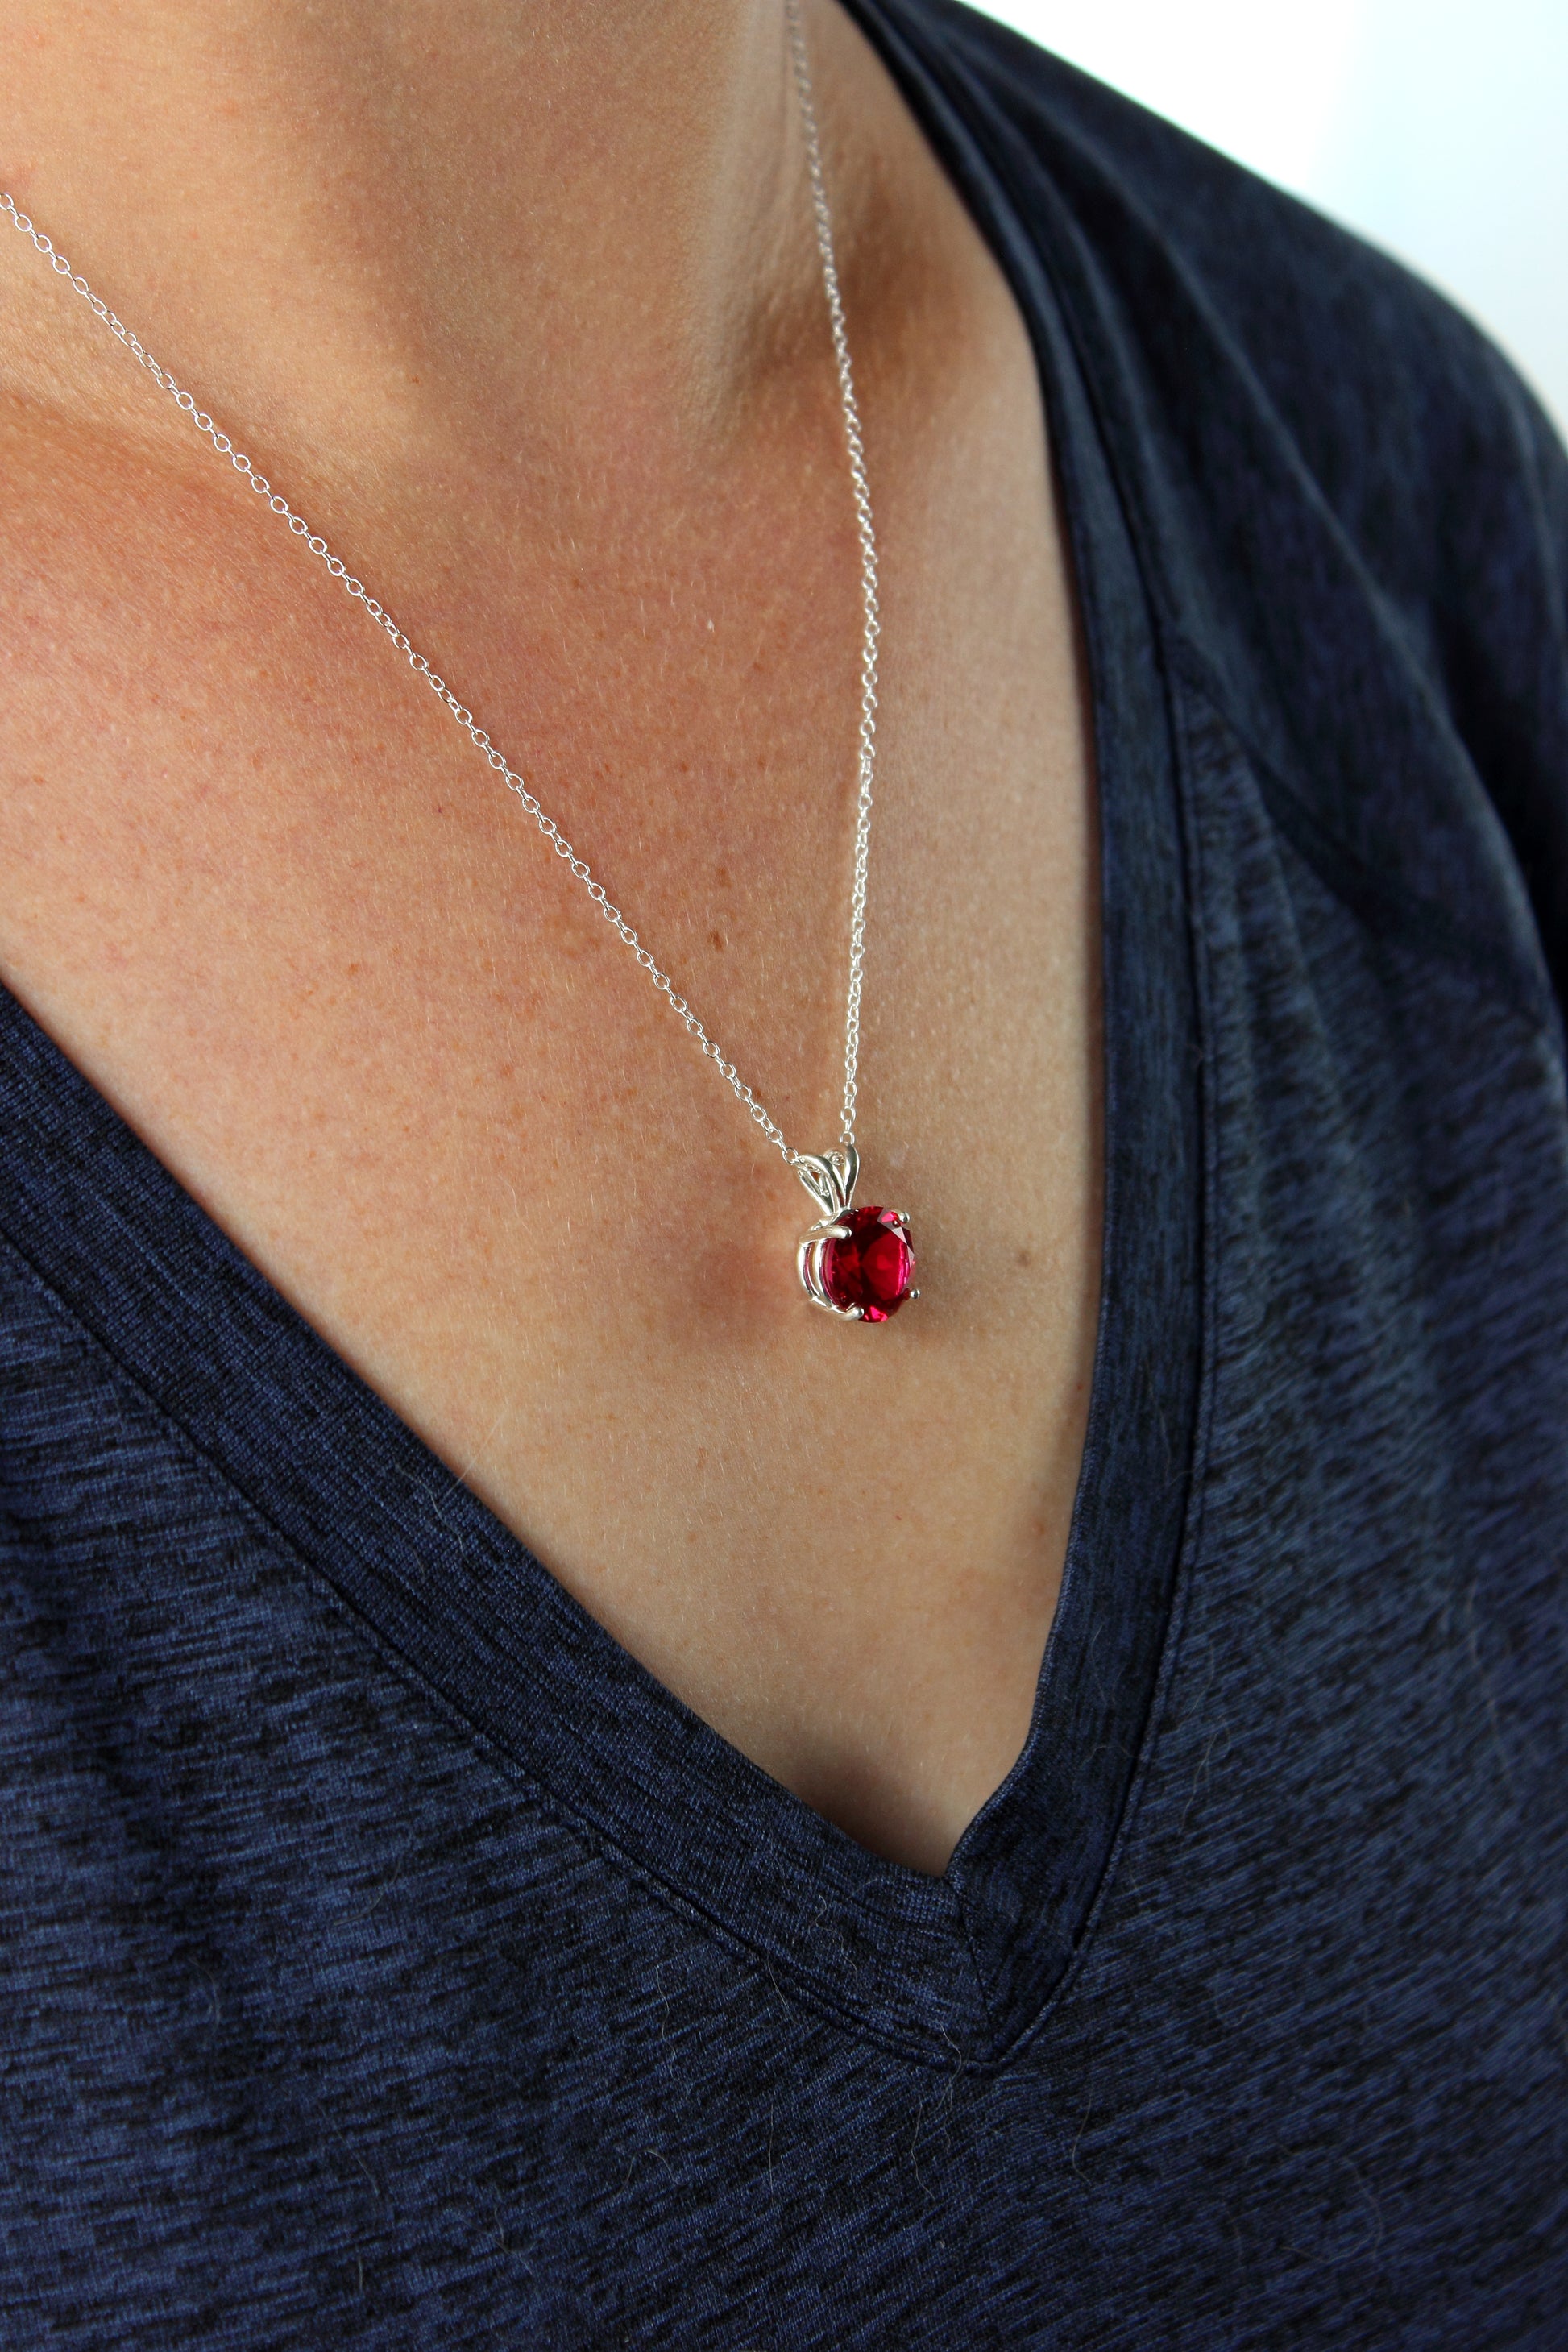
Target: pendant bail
829	1177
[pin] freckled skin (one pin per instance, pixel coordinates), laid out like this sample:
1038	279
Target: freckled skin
256	885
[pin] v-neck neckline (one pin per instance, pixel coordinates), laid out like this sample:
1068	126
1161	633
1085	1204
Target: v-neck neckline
954	1970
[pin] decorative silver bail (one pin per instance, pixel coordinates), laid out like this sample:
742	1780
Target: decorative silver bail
829	1177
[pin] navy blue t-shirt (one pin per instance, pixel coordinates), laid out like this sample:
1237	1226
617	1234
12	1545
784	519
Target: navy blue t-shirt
389	1960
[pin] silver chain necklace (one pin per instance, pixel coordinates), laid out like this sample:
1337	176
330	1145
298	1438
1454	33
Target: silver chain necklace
857	1264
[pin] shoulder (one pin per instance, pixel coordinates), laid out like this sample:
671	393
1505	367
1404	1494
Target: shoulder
1369	370
1347	498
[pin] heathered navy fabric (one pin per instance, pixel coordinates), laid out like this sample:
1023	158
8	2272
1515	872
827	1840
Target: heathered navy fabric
389	1961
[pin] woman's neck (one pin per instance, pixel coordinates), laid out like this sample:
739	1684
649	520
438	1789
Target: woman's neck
581	221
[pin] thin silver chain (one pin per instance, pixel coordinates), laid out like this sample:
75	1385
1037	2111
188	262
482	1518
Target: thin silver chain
871	616
465	718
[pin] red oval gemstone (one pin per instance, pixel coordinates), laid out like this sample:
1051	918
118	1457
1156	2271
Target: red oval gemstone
873	1267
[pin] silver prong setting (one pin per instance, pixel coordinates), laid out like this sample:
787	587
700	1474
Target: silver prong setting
808	1260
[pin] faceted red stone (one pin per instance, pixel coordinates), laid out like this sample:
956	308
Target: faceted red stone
872	1267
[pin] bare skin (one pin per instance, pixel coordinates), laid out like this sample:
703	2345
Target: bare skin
519	308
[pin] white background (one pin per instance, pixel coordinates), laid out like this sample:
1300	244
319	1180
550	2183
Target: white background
1438	128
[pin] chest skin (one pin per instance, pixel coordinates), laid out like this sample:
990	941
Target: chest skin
264	895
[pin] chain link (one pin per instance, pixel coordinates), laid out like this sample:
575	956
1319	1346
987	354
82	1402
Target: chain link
465	718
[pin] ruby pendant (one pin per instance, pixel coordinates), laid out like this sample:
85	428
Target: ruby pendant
858	1263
